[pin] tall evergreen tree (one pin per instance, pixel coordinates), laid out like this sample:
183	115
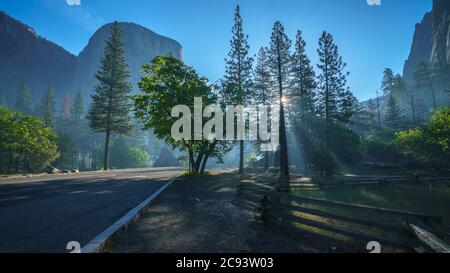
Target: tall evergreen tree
303	80
336	100
304	86
263	87
263	84
79	125
23	101
109	111
64	124
46	108
77	109
378	104
280	65
440	72
237	80
3	102
393	116
388	82
413	103
372	113
423	81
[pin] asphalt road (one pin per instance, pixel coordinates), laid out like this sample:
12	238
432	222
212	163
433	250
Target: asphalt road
43	214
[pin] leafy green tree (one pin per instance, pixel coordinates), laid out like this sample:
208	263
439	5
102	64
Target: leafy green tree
168	82
23	101
280	65
26	141
336	102
431	144
237	83
67	152
124	156
109	111
46	108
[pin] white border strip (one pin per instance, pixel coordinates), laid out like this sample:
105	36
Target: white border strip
96	244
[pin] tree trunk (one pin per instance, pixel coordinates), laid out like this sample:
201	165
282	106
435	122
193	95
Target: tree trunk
241	157
284	165
205	160
106	152
378	110
198	162
266	160
284	152
327	112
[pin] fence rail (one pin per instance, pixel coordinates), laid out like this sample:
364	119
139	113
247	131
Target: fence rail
415	178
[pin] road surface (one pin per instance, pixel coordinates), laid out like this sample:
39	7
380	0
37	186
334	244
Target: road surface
42	214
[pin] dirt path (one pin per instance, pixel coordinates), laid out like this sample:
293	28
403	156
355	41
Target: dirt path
202	216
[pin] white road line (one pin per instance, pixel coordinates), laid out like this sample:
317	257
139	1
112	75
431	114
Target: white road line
96	244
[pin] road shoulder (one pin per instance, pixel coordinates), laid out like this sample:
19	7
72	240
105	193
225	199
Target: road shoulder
201	216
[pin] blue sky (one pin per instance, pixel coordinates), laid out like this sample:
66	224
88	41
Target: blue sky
369	37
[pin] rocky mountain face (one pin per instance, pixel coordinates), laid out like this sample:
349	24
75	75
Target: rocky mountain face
441	31
26	58
431	39
421	47
141	46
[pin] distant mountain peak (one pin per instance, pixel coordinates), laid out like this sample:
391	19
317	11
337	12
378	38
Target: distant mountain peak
27	58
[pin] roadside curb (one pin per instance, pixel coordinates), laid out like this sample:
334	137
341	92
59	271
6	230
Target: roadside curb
99	243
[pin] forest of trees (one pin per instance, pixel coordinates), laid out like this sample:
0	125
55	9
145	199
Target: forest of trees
404	124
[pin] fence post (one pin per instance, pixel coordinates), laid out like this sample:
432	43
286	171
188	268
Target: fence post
264	209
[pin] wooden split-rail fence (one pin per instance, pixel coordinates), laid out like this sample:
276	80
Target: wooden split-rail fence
402	230
414	178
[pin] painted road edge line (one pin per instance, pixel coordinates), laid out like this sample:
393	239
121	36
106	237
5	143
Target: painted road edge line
99	242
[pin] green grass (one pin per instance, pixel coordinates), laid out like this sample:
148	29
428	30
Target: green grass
434	200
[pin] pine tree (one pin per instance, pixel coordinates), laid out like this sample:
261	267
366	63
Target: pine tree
64	124
109	111
280	65
387	84
440	72
23	101
372	113
304	88
336	100
263	84
3	102
78	125
423	80
237	80
46	108
77	109
413	102
303	80
378	104
263	87
393	117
